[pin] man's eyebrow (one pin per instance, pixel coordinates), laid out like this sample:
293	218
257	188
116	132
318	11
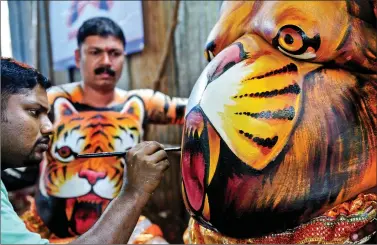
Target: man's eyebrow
41	107
102	49
44	108
94	47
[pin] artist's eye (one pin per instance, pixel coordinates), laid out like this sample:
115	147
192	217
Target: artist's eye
293	41
34	112
65	154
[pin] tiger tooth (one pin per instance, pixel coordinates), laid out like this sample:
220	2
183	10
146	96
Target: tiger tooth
200	130
69	212
69	208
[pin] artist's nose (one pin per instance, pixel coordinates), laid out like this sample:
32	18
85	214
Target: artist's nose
46	126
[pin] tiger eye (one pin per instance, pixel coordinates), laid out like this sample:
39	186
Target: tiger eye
288	39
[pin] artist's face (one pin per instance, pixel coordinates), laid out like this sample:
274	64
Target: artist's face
97	53
25	128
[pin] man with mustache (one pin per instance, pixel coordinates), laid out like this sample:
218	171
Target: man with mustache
26	131
94	116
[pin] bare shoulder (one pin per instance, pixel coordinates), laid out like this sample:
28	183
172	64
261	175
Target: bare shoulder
70	91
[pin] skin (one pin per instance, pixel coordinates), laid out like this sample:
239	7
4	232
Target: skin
97	52
27	122
26	129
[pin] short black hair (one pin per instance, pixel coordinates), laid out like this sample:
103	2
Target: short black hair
99	26
16	78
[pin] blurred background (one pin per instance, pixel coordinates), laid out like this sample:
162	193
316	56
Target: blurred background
165	51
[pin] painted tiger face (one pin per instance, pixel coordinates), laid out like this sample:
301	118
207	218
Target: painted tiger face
281	124
85	186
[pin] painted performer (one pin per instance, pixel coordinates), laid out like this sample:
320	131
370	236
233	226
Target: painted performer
94	116
286	151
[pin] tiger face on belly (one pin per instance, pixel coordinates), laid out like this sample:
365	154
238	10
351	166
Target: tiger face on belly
281	124
74	192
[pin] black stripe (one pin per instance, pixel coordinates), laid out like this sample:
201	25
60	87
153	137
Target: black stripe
77	119
115	175
288	113
179	111
49	177
100	124
118	182
166	105
59	130
100	132
75	128
98	149
267	142
121	118
65	172
291	89
288	68
98	116
87	147
81	138
123	128
111	146
118	138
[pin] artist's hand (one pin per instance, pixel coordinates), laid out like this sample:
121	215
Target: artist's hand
146	164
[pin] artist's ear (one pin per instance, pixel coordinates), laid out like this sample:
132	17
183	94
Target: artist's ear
77	57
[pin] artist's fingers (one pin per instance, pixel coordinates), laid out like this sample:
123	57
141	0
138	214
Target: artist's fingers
158	156
163	165
151	148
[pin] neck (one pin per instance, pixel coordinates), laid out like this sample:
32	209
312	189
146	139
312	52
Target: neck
96	97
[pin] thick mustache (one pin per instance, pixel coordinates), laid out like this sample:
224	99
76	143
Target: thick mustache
107	70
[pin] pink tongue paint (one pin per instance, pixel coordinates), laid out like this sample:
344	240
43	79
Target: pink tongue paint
193	177
85	219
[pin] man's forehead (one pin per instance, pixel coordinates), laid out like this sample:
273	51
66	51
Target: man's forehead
103	42
37	95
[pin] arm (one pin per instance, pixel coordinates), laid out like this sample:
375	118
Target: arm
160	108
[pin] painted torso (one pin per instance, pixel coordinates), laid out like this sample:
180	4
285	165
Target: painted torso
74	192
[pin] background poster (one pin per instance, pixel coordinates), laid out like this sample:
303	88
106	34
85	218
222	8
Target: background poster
67	16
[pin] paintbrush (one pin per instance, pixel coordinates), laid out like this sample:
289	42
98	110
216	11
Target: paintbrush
117	154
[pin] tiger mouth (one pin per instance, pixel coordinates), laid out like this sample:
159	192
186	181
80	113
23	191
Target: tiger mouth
82	212
195	154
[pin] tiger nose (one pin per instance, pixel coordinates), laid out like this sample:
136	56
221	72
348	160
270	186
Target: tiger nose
91	175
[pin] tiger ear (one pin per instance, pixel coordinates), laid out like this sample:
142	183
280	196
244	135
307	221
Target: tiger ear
135	107
63	107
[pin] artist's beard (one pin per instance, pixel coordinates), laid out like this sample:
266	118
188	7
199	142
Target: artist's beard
32	158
